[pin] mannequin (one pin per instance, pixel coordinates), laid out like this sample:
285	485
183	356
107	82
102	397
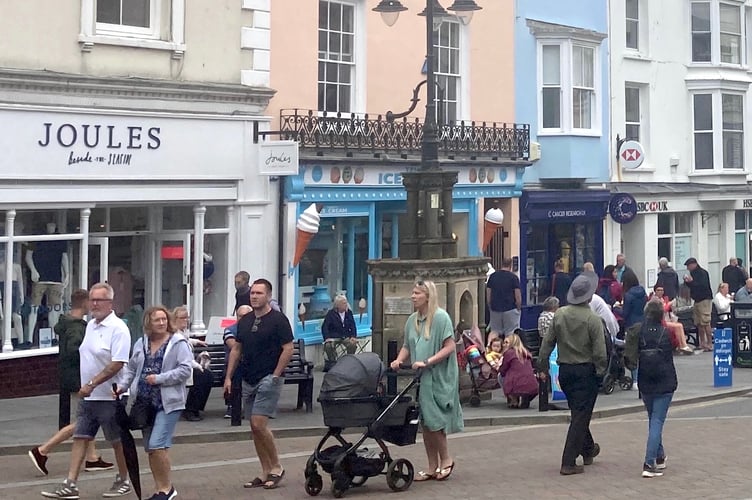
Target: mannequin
16	296
48	263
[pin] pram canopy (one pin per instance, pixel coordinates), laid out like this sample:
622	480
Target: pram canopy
353	376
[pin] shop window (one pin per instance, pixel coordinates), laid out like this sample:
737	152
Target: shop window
177	217
129	219
459	226
216	217
743	237
675	238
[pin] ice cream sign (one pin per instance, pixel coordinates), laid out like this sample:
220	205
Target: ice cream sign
358	175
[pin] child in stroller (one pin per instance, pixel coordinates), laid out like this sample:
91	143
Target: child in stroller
472	354
616	373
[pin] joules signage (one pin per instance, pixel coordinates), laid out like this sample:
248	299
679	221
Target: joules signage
99	144
52	144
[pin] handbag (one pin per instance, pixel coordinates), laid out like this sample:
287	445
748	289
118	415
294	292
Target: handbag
142	413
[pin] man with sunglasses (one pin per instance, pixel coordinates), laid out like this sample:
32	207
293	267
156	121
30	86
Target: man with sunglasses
264	347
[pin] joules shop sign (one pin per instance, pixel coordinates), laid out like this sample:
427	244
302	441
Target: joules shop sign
66	145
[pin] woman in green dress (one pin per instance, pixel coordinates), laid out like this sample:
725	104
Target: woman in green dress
429	344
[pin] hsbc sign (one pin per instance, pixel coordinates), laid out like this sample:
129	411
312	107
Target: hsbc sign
631	154
651	206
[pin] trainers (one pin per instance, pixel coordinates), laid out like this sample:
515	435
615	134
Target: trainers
171	494
161	495
39	460
67	490
228	412
660	463
568	470
97	464
119	488
651	471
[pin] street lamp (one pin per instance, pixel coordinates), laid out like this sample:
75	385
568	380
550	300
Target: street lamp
430	190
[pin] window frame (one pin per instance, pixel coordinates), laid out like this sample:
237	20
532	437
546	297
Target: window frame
641	112
150	32
172	39
456	77
632	21
716	55
718	130
566	84
672	236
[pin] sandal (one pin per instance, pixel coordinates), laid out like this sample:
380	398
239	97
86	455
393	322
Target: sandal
256	482
445	472
274	479
423	476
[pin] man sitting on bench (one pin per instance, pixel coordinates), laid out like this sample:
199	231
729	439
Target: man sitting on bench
339	330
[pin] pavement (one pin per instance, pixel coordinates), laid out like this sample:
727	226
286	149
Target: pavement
26	422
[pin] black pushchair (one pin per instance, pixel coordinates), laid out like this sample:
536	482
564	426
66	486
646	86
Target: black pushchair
617	372
352	396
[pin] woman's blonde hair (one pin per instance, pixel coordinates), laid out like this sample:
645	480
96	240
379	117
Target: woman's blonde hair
177	312
516	343
429	288
721	286
147	319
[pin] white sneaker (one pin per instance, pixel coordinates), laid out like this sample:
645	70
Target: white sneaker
119	488
634	386
660	463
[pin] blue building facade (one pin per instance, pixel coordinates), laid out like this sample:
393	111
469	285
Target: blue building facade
562	90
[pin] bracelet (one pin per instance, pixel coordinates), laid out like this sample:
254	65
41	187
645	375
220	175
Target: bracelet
426	362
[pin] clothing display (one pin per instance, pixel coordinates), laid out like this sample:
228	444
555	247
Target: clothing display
47	258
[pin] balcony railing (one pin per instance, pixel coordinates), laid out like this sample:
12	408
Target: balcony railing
327	133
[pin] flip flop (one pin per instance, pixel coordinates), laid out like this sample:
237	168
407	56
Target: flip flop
256	482
423	476
445	472
274	479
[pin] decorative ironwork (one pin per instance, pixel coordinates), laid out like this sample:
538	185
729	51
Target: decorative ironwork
328	133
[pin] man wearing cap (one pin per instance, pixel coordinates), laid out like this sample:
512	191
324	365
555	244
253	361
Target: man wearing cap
698	281
578	332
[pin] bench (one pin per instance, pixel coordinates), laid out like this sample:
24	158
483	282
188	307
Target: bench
532	342
298	371
690	330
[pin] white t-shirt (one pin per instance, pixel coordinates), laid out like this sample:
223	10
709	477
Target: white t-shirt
599	307
103	343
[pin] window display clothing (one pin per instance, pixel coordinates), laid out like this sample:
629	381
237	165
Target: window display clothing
47	256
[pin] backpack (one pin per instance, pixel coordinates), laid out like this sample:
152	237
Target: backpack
651	358
604	292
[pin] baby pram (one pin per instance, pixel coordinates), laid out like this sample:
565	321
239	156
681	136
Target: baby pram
616	373
352	396
471	353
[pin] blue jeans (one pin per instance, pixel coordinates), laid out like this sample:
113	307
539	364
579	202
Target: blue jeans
657	406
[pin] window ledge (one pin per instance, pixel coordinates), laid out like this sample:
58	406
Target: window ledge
575	133
640	170
88	41
637	56
736	172
28	353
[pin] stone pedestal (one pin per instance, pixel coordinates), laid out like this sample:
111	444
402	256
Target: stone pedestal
461	284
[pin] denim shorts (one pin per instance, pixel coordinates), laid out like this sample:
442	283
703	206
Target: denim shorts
159	436
92	415
262	398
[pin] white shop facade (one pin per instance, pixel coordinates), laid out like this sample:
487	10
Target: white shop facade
159	204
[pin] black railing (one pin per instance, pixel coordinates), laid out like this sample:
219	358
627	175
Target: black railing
328	133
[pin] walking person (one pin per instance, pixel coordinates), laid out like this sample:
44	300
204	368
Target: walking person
578	333
698	281
157	373
667	279
635	298
504	299
651	345
103	352
429	345
200	381
560	282
70	330
242	290
234	400
734	275
263	349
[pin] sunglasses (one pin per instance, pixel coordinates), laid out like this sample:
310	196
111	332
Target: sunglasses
256	324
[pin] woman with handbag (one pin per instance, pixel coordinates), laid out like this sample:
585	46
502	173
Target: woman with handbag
157	373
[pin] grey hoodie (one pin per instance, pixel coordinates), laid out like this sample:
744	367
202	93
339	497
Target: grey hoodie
176	368
670	282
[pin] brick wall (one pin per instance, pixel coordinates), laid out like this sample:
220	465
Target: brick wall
32	376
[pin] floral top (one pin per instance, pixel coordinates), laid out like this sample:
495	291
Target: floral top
544	322
152	366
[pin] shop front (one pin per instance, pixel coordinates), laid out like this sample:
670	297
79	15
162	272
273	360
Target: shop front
362	208
149	202
556	225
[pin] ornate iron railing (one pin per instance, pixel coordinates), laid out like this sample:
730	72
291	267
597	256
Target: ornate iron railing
328	133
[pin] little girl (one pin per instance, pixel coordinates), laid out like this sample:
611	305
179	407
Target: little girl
493	353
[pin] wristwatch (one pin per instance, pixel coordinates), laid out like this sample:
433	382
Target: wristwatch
90	383
425	362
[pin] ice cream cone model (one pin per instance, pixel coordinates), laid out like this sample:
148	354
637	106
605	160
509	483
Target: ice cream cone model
362	305
301	313
493	219
306	229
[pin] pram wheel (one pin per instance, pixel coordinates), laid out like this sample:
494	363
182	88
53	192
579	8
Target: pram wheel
399	474
359	481
609	384
475	401
626	383
314	483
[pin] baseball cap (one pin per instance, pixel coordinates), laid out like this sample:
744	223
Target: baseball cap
690	260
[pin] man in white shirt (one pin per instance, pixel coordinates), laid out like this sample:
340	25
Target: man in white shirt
104	351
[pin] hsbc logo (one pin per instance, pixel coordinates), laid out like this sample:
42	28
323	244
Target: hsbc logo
631	154
652	206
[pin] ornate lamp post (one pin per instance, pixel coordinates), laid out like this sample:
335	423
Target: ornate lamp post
428	232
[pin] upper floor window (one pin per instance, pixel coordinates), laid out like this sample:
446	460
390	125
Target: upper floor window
336	56
569	81
446	42
632	112
717	30
718	130
633	24
128	17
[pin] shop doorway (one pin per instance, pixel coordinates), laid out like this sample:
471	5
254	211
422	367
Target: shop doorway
99	250
173	273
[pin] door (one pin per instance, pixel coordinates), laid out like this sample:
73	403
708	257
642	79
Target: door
99	251
174	270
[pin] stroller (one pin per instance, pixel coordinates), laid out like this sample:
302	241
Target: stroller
616	373
482	375
352	396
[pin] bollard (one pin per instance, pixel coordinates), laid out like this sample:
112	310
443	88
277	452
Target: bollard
391	355
722	356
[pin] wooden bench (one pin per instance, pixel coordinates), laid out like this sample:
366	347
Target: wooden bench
298	371
532	342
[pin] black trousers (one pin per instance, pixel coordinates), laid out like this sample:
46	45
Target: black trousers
580	385
64	408
198	394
